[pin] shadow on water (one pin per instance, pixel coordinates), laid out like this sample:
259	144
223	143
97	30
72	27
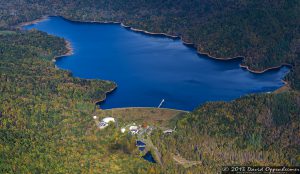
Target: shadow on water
108	94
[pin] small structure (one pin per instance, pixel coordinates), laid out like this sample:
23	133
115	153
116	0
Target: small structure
123	130
162	101
108	119
133	129
105	121
144	125
141	145
169	131
102	125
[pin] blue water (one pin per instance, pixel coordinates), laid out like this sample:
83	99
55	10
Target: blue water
142	148
148	156
141	145
150	68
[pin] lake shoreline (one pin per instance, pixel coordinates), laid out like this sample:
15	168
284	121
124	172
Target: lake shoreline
166	35
98	102
19	26
123	108
70	49
69	52
190	44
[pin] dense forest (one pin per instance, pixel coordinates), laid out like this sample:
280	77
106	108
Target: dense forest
265	32
46	123
254	130
45	113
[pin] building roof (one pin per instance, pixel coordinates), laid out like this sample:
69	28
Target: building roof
102	124
108	119
131	128
140	143
168	131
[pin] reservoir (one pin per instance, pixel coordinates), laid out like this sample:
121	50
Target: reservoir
149	68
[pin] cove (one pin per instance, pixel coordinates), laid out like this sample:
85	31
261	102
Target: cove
149	68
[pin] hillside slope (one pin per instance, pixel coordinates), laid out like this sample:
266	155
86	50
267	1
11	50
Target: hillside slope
45	113
46	123
265	32
253	130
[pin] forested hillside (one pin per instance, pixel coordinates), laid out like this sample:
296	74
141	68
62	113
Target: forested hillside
45	113
265	32
253	130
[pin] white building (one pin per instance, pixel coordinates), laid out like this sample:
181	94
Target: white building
105	121
168	131
123	130
133	129
102	125
108	119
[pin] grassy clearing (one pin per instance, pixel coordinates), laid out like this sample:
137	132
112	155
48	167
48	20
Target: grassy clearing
153	116
184	162
6	32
